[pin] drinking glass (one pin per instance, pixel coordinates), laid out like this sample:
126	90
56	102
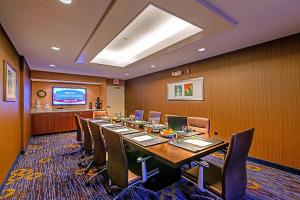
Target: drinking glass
184	129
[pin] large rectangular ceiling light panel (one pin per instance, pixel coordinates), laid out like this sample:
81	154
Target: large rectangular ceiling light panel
151	31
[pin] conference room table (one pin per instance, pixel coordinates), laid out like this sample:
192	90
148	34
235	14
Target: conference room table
172	156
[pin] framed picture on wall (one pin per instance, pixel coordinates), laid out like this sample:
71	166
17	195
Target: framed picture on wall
188	90
10	82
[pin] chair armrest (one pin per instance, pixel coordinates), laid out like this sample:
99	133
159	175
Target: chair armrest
140	159
202	163
144	167
224	150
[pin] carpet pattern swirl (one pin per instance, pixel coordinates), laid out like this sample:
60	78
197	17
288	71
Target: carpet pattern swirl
49	170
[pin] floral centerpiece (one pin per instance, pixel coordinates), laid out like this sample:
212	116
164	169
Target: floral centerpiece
132	117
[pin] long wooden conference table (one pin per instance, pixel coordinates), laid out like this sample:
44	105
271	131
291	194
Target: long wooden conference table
166	153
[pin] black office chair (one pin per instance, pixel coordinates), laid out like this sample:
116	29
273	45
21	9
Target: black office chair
87	144
99	157
79	130
229	182
120	177
79	134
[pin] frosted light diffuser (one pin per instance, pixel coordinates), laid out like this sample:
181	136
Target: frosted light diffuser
151	31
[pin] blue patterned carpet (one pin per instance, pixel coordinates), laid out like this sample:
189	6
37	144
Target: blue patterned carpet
49	171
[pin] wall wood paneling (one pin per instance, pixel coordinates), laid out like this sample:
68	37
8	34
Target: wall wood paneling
254	87
10	134
25	101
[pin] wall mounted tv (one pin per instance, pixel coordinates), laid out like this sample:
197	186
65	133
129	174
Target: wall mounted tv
68	96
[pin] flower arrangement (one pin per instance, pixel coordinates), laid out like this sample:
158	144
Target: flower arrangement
132	117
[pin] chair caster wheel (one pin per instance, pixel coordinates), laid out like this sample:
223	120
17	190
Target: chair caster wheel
80	165
109	191
87	184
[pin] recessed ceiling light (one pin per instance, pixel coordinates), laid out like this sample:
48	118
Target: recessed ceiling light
138	41
66	1
55	48
152	66
52	65
201	49
126	74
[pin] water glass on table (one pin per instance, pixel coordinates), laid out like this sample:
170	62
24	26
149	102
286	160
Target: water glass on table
184	129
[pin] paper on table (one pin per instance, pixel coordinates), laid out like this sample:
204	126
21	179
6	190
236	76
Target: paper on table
121	130
104	125
142	138
161	125
197	142
97	120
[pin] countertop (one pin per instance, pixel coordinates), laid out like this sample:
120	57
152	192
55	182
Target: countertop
62	110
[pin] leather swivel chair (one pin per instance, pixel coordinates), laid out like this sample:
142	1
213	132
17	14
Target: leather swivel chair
99	114
154	115
166	118
139	114
79	130
230	181
87	143
199	124
99	157
120	177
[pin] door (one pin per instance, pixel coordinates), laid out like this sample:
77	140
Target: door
115	97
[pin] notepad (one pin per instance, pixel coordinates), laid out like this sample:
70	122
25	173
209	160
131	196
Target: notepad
97	120
121	130
197	142
142	138
104	125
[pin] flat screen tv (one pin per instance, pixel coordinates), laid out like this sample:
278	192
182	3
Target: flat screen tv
68	96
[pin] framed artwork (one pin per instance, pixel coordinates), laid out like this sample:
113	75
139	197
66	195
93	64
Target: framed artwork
10	82
191	89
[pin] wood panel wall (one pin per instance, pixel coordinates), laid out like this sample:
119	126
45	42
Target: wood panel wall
25	101
254	87
10	135
93	91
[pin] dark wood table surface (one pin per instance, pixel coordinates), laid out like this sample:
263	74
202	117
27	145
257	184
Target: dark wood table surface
174	156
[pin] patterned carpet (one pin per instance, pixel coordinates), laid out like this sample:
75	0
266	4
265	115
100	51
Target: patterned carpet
49	171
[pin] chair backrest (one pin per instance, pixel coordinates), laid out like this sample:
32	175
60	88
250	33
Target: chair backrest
234	172
177	122
100	113
99	144
154	115
139	114
87	136
78	127
117	167
199	124
166	118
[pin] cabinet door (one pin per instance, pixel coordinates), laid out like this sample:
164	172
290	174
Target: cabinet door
63	121
42	123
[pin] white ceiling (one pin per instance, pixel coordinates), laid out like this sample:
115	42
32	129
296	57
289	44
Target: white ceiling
36	25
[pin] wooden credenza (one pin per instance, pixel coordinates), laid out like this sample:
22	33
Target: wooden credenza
56	122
